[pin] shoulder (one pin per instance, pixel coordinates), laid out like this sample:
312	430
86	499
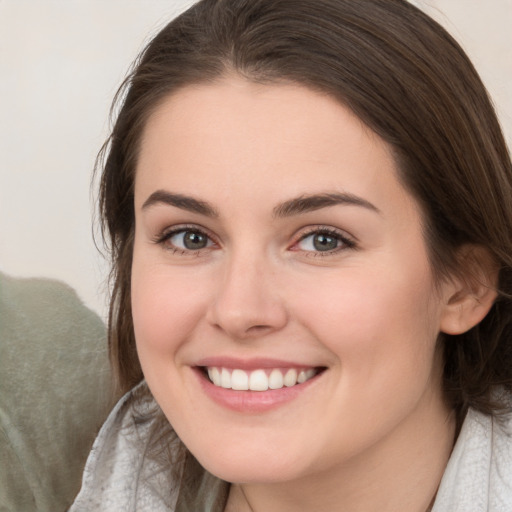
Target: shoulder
500	478
120	475
478	477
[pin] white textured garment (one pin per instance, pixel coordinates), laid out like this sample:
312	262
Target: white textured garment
478	477
119	478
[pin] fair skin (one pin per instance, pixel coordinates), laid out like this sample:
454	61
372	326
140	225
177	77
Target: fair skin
230	271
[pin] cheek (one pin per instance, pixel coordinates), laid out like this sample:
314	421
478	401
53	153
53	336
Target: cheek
165	306
383	334
373	319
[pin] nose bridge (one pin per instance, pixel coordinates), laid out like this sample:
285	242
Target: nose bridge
247	302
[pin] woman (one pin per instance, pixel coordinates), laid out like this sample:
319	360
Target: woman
309	211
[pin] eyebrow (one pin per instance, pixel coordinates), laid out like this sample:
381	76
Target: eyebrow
296	206
309	203
180	201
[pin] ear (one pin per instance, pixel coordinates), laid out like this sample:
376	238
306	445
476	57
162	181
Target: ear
469	295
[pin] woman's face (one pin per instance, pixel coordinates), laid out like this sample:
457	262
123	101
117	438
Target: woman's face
276	250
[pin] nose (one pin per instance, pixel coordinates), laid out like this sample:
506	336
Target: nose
247	302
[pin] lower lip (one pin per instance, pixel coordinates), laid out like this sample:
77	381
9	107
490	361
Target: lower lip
252	401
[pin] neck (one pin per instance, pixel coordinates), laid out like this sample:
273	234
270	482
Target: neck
402	472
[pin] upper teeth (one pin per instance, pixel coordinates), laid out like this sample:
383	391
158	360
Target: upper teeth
258	380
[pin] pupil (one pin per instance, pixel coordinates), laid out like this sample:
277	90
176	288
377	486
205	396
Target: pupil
194	241
325	243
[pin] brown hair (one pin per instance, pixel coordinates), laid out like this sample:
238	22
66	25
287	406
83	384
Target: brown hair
406	78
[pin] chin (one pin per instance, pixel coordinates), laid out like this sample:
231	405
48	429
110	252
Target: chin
245	472
244	468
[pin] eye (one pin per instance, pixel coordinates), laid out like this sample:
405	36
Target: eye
186	239
190	240
324	240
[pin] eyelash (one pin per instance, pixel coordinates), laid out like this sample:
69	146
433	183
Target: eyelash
345	242
166	235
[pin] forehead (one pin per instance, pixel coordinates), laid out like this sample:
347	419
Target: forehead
234	108
270	140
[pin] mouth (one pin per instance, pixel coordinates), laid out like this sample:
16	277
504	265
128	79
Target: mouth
262	379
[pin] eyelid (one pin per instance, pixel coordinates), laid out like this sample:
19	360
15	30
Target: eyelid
348	241
168	232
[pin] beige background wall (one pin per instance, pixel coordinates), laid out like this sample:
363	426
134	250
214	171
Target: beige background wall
60	64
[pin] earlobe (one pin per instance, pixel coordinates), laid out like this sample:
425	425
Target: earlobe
469	298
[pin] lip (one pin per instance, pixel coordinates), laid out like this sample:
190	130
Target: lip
251	402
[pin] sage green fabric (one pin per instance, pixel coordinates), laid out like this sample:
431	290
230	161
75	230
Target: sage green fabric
54	392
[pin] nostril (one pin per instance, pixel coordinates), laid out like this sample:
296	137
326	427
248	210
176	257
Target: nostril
258	328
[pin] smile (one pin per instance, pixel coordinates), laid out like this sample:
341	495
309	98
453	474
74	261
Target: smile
259	380
255	386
